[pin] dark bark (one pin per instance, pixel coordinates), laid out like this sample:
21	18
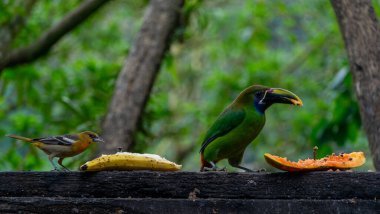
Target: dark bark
43	44
181	185
361	33
183	206
136	79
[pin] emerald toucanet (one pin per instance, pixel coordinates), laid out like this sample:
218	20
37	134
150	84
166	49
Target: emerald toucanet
240	123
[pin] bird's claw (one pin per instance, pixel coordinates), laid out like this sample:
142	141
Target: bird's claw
66	169
224	169
63	169
260	170
214	169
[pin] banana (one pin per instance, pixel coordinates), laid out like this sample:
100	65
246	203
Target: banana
130	161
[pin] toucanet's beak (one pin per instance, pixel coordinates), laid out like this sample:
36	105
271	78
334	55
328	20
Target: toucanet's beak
279	95
98	140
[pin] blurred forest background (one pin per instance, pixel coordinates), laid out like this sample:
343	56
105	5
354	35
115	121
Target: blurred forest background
224	47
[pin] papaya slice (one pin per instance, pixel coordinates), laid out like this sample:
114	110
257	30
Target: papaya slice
341	161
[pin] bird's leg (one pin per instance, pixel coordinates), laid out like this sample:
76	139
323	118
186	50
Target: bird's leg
215	168
51	156
243	168
249	170
236	160
60	163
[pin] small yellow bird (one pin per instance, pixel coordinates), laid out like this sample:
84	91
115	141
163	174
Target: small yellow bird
62	146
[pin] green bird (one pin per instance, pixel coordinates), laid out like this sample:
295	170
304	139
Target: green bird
239	124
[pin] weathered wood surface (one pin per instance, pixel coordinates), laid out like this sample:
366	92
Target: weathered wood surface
182	206
190	192
315	185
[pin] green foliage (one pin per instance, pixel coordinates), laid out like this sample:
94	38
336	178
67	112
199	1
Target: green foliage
342	124
221	48
69	90
274	43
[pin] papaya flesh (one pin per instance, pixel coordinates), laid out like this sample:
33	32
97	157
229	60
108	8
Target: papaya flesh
335	161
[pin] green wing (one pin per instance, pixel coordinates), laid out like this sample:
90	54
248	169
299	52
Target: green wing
227	121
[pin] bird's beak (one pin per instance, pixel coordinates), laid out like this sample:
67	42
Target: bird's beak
98	140
279	95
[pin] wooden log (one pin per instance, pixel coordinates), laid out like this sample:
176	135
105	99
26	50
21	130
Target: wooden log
179	185
159	205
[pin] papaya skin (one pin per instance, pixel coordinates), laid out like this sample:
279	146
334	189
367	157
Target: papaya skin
334	162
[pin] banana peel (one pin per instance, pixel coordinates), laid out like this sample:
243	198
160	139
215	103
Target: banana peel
125	161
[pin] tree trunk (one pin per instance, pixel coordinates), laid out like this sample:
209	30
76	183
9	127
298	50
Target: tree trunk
136	79
361	33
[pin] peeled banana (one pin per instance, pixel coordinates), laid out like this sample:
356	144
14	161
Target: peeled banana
130	161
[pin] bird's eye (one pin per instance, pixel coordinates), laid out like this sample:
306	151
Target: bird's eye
92	136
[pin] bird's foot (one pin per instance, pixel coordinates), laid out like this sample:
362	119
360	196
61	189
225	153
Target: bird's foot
243	168
249	170
259	170
213	169
224	169
66	169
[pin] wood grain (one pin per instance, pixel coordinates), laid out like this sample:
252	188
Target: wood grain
179	185
130	205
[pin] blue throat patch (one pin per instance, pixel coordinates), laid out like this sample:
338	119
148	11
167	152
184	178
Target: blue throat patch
259	107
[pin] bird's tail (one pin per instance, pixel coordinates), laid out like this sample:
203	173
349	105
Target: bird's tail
20	138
